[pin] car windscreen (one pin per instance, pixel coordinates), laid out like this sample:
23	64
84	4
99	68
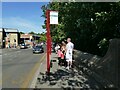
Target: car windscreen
38	47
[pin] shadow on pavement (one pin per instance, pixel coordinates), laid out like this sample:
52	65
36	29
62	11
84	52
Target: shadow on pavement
67	79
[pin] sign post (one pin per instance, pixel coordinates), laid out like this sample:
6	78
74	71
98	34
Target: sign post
48	35
52	18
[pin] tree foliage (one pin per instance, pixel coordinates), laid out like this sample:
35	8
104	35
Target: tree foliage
43	37
32	32
22	33
88	24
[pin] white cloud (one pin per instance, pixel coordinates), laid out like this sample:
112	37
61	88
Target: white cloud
22	24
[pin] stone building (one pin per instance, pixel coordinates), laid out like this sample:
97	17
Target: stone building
2	38
29	38
12	37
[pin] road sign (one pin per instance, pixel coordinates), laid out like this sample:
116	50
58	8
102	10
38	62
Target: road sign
53	17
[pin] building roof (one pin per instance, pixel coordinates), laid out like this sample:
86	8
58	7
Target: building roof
36	36
28	35
10	30
25	35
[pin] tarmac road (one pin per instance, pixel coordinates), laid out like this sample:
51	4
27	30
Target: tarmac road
0	68
19	67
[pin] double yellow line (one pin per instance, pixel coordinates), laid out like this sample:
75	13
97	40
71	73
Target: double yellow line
32	73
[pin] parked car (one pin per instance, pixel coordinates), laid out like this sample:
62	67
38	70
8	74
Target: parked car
28	45
38	49
23	46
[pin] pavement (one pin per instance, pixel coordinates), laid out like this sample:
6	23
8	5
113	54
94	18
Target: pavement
23	69
61	78
19	67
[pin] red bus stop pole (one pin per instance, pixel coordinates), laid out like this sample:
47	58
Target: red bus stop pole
50	45
48	40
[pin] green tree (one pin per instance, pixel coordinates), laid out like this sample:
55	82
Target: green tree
22	33
43	37
32	32
87	24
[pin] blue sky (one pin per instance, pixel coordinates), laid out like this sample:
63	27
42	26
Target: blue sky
25	16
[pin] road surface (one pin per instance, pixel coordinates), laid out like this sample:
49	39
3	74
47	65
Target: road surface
0	69
19	67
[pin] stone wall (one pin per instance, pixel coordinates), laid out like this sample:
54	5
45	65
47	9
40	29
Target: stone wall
106	70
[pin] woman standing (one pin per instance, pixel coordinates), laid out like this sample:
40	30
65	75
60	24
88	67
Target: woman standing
63	49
